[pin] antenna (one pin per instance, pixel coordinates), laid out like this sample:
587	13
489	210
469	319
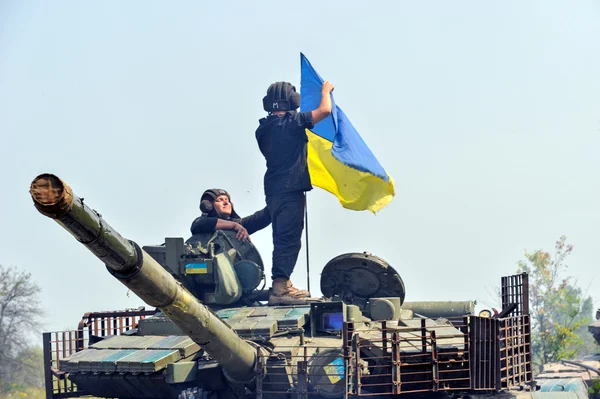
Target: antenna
306	232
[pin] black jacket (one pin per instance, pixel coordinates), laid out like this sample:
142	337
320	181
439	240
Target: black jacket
283	142
253	223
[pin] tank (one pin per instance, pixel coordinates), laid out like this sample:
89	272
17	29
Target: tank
212	334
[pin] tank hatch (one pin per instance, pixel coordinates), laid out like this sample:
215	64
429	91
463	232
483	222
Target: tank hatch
354	278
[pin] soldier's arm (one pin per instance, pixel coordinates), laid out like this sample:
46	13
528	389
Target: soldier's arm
257	221
210	224
203	225
324	109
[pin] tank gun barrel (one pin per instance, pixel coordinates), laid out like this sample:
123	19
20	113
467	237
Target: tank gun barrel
137	270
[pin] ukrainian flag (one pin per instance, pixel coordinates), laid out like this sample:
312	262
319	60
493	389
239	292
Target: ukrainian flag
339	161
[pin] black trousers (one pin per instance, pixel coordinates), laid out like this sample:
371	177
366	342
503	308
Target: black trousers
287	220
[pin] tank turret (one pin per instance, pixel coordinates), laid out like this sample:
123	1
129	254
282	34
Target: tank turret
133	267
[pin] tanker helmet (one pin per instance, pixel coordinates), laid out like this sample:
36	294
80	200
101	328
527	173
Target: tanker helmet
281	96
207	200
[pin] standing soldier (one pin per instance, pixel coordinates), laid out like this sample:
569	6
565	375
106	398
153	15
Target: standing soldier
282	140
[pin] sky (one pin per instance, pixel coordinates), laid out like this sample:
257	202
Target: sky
486	114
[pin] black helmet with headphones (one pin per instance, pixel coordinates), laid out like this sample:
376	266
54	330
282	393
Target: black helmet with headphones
208	198
207	203
281	96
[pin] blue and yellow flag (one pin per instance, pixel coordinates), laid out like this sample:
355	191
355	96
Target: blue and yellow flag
339	161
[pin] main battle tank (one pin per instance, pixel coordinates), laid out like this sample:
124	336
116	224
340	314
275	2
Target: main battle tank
212	336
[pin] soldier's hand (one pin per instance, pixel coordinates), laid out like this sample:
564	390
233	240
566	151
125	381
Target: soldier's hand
242	233
327	87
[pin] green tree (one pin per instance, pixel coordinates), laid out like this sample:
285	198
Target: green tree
594	389
588	343
559	312
20	314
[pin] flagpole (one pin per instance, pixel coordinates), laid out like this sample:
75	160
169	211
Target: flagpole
306	232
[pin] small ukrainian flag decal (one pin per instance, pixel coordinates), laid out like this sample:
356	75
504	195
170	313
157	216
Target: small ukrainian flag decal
196	268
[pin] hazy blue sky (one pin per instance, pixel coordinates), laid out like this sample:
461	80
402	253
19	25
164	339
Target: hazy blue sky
487	115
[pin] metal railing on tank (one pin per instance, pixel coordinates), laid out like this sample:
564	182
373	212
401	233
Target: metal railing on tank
59	345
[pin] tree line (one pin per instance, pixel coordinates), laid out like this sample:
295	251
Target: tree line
560	310
21	362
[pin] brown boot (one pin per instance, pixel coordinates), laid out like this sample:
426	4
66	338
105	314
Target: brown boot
284	293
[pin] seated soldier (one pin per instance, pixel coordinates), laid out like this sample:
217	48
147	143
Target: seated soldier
218	214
